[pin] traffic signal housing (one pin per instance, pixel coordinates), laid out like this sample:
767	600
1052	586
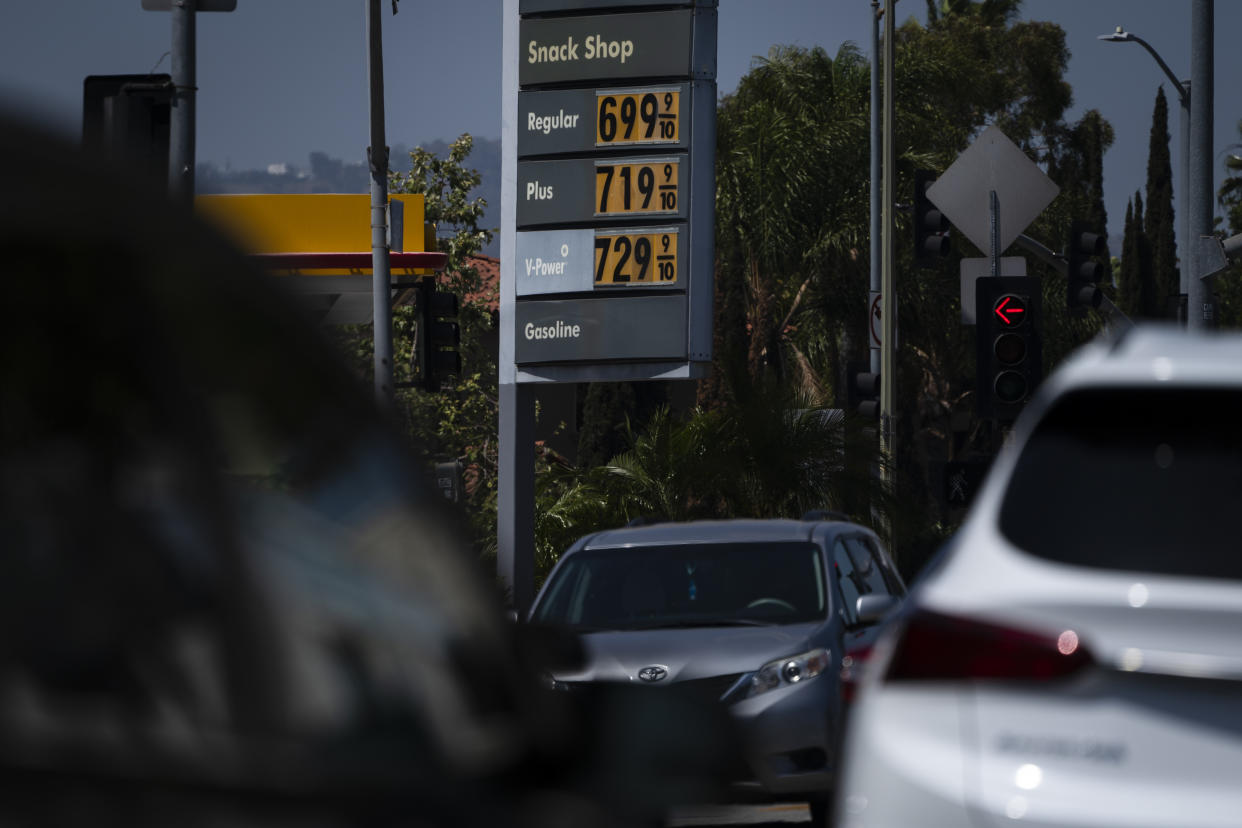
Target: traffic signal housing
931	240
1083	272
127	120
435	350
1008	349
863	398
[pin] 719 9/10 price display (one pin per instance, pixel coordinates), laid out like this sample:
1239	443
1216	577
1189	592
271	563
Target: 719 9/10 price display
629	188
636	258
641	117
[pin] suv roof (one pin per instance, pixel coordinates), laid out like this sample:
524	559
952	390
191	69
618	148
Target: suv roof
1151	354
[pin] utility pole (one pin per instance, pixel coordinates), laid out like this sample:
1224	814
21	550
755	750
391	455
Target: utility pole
377	157
1199	311
182	123
1185	248
888	296
875	169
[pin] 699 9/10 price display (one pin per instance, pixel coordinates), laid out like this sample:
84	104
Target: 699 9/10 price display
637	117
638	258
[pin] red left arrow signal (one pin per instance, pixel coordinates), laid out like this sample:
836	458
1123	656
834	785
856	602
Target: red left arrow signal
1011	309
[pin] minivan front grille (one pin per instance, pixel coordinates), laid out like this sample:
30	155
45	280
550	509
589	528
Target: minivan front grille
710	690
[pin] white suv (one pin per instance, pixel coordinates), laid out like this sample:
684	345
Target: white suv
1074	657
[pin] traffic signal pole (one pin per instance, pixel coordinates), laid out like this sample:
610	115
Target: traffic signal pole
888	303
182	121
1115	316
377	157
876	148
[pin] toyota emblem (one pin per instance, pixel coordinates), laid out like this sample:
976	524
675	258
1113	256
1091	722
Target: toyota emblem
656	672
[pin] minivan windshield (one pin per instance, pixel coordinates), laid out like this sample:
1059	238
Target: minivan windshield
686	585
1140	479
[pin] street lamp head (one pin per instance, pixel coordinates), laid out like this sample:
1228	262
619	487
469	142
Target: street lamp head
1118	36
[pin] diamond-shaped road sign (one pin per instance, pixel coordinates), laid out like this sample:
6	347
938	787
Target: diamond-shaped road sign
992	162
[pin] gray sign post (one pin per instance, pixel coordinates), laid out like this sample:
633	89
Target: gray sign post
607	215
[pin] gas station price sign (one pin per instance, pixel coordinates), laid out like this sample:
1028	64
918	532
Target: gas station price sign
613	196
639	259
632	188
649	116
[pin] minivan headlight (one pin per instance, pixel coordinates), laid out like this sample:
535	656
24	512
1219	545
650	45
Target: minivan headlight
793	669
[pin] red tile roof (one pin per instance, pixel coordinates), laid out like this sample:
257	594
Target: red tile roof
489	276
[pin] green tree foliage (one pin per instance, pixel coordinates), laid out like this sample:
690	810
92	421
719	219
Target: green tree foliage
459	422
767	455
1158	224
1130	282
793	202
791	216
1137	297
1228	284
770	455
609	411
791	286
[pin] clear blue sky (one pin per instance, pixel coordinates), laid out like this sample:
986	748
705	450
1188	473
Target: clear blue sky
279	79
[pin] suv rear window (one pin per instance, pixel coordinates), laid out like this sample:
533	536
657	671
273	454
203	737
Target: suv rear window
1138	479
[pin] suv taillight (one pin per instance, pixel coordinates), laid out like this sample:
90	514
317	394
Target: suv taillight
936	647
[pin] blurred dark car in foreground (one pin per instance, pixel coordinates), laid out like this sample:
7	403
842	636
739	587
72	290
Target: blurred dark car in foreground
756	616
227	596
1074	657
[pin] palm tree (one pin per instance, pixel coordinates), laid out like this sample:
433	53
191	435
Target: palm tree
791	204
769	455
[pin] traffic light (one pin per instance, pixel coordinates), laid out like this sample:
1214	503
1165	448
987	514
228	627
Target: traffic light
435	349
126	119
864	394
931	240
1083	273
1009	355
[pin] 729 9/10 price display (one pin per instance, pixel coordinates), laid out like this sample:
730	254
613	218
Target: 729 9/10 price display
629	188
641	117
636	258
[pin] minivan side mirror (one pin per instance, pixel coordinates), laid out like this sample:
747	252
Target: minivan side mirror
871	608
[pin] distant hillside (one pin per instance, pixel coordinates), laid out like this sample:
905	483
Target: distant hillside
323	174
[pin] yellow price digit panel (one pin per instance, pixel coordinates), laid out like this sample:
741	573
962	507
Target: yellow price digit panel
636	258
632	188
648	117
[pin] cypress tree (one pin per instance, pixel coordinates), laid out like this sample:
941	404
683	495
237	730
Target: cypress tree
1158	221
1094	135
1128	281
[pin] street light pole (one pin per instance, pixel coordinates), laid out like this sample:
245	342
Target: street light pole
1185	248
1199	296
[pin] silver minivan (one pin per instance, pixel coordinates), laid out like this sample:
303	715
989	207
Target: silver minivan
763	617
